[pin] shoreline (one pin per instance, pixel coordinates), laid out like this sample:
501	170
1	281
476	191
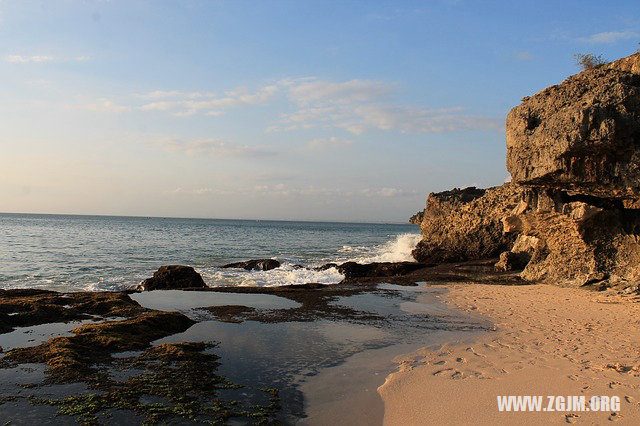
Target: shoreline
550	341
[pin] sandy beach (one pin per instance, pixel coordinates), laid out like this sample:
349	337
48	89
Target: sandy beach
549	341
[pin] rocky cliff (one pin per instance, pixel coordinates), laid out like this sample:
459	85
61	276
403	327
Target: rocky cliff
571	215
465	224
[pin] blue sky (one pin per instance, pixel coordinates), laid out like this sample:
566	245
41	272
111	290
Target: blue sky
312	110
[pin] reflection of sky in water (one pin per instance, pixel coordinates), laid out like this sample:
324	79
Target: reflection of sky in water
184	301
32	336
285	355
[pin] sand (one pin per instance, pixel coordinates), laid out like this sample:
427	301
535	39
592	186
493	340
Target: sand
548	341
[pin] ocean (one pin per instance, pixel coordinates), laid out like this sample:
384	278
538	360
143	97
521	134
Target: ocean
80	253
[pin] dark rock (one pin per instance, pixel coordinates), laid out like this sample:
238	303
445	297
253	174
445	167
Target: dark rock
258	264
378	269
172	277
325	267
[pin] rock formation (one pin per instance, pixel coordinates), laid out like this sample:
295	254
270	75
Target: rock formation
575	150
172	277
416	219
257	264
465	224
571	215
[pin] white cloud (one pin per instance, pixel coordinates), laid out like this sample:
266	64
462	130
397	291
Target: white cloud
211	148
190	103
26	59
388	192
105	105
332	142
308	90
609	37
22	59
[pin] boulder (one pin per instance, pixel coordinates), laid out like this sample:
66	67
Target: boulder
582	136
466	224
172	277
257	264
325	267
378	269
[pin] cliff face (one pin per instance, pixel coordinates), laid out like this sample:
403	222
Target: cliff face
465	224
572	212
575	148
581	136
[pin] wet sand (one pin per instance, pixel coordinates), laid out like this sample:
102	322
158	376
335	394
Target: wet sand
549	341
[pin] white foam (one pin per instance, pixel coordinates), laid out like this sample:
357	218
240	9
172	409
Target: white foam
284	275
396	250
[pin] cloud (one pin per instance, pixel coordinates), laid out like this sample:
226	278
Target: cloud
355	106
357	119
388	192
609	37
332	142
26	59
360	105
308	90
211	148
105	105
22	59
200	191
190	103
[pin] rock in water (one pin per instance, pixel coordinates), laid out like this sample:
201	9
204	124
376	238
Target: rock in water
258	264
378	269
172	277
466	224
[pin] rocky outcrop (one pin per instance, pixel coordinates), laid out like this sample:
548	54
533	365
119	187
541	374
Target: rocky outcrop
581	136
416	219
575	149
257	264
172	277
466	224
571	215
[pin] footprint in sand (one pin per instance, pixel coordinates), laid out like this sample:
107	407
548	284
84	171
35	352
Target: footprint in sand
614	417
441	372
629	399
443	362
461	359
458	375
571	418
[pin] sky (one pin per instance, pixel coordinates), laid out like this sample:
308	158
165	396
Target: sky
293	110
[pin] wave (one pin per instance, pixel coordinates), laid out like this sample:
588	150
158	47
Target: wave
397	249
287	274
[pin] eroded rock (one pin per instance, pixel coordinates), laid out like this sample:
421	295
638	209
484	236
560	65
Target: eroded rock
255	264
466	224
172	277
581	136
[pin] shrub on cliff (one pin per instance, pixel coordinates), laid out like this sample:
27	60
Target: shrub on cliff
588	60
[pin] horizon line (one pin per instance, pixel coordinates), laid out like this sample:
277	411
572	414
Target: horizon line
209	218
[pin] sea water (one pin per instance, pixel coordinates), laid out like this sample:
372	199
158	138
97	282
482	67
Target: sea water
75	253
